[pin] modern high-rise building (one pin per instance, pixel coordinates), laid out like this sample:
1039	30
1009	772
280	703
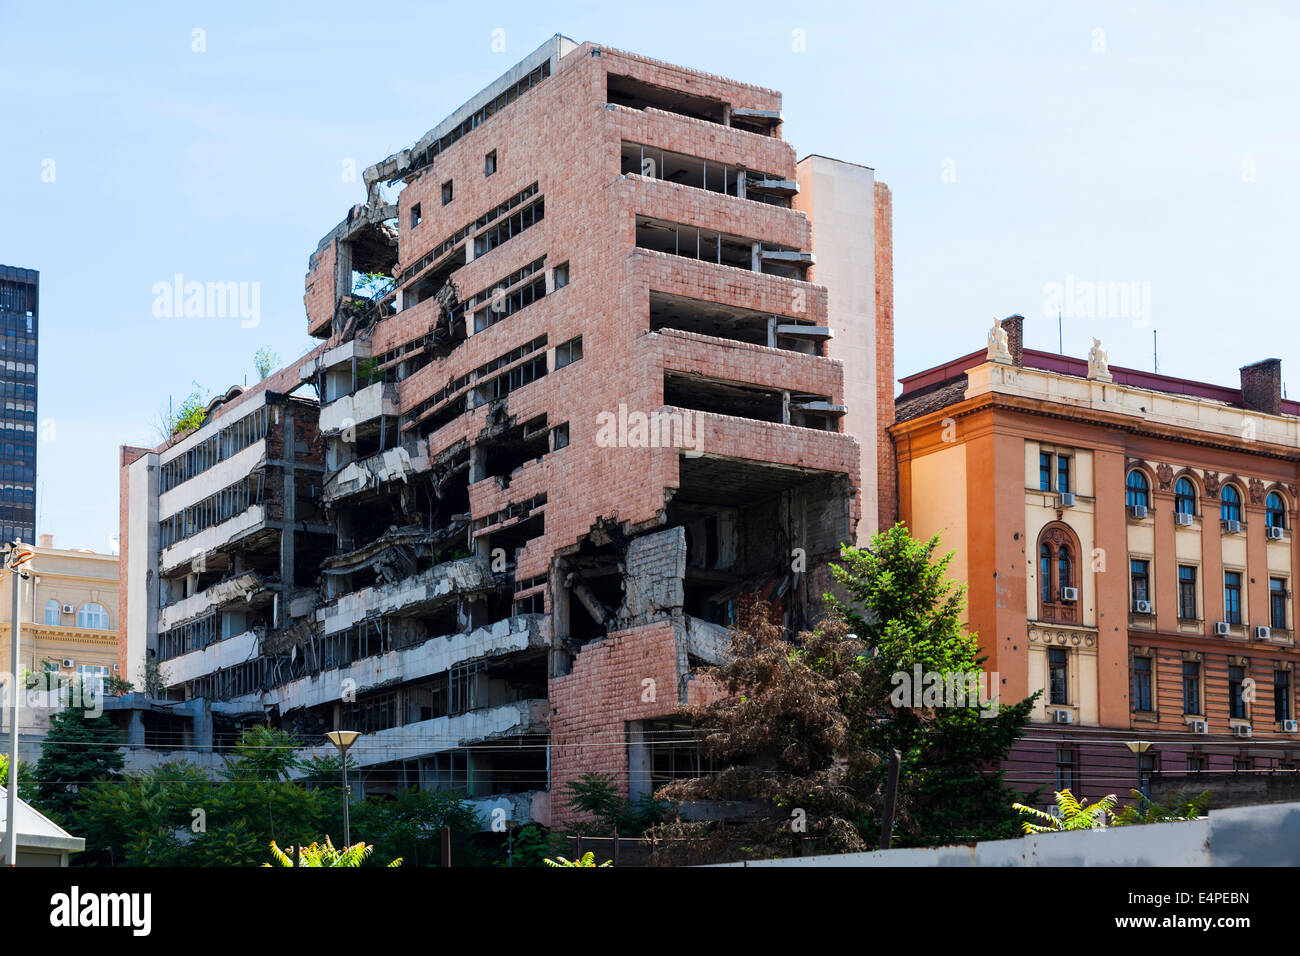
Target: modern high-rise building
622	374
19	328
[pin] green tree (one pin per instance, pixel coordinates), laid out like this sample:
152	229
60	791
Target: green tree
902	604
1073	814
77	750
265	360
26	779
596	794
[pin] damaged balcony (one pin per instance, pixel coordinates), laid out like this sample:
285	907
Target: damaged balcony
720	248
720	320
638	159
398	464
422	593
743	400
635	94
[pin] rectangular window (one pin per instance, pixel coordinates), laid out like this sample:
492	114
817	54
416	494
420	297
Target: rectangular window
1187	592
1140	582
1281	695
1277	603
561	437
561	275
446	192
1057	675
1142	683
416	218
568	352
490	163
1191	687
1232	597
1195	763
1236	706
1065	769
1062	473
1044	471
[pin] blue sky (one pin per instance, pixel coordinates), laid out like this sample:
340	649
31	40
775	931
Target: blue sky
1025	143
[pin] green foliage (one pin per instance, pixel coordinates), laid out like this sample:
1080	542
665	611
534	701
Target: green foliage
529	847
370	285
368	371
116	686
905	608
596	794
174	815
190	415
1181	805
588	859
153	677
263	754
77	750
265	360
1074	814
317	855
26	779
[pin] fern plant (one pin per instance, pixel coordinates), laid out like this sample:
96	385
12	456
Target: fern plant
1074	814
320	855
588	859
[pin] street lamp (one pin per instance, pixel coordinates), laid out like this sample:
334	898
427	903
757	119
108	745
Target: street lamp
1138	748
15	557
343	739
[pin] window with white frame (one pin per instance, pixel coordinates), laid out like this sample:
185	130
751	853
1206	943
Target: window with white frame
93	615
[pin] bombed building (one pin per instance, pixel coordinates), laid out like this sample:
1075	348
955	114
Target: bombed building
599	362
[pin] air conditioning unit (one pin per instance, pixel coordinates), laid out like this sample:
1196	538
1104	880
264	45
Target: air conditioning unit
1274	532
68	609
1063	717
115	668
69	662
1183	519
1142	607
1065	499
1291	726
1198	726
1137	511
1222	628
1262	633
1242	730
1069	594
1232	527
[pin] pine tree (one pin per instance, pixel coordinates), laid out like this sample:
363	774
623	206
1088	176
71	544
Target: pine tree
78	749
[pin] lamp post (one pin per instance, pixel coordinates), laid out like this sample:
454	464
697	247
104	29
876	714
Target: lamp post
343	739
1138	748
15	557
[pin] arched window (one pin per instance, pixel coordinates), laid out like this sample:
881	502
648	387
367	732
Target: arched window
1274	511
1185	497
53	612
1058	550
1230	503
1137	490
93	615
1045	573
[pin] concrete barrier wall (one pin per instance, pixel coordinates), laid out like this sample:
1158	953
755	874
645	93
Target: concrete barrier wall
1241	836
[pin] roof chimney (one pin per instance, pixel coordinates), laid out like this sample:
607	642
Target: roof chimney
1261	386
47	541
1014	326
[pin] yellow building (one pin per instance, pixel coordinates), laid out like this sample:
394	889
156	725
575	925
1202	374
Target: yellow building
68	605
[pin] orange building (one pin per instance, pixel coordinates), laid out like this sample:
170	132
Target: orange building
1127	542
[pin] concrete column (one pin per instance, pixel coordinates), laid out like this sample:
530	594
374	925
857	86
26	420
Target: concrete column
135	729
638	761
201	728
289	516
